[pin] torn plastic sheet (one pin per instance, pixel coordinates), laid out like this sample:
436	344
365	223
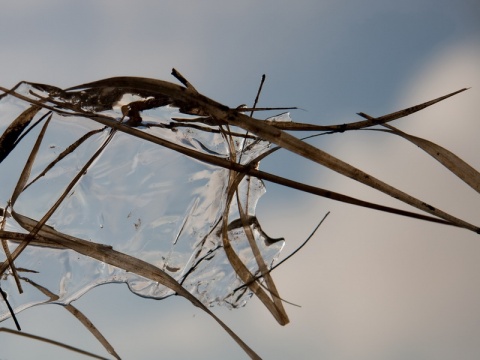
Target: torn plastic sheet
141	198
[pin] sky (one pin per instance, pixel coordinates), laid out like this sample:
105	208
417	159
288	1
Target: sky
369	285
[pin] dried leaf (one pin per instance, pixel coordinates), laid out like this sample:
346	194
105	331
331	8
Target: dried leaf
448	159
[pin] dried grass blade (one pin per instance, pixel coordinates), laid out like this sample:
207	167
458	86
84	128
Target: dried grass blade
262	130
92	328
289	142
8	254
11	263
184	81
272	288
23	120
310	152
448	159
275	306
53	342
28	165
157	84
221	112
239	267
293	126
123	261
279	137
255	109
413	109
11	134
267	132
341	197
79	315
64	153
50	212
260	174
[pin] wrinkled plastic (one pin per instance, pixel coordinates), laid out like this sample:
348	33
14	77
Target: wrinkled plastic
141	198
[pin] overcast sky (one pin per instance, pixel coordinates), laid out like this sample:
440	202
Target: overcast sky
370	285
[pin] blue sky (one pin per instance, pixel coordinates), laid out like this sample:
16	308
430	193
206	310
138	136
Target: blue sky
371	286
